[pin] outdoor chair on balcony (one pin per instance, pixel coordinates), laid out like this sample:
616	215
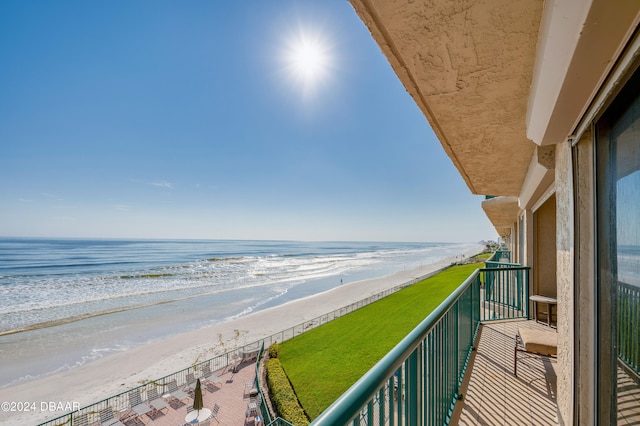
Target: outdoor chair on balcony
210	380
156	400
537	342
190	385
157	404
81	419
214	413
108	419
136	404
175	392
250	389
253	411
206	370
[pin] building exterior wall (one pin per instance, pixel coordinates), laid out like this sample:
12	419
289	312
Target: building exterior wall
584	289
564	280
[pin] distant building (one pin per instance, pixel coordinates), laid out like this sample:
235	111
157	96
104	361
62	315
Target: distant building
537	103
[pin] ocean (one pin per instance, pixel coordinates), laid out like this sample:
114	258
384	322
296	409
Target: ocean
65	302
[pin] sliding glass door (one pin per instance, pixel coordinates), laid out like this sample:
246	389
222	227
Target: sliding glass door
618	258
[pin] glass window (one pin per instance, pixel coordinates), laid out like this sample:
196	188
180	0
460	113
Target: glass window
618	224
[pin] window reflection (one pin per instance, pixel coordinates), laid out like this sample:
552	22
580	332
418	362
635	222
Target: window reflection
625	138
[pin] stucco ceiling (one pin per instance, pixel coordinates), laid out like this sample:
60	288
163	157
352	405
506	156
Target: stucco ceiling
501	211
468	65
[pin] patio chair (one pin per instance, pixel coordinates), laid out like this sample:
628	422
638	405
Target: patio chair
537	342
214	413
206	370
136	404
108	419
212	383
172	388
157	404
190	384
80	419
257	399
156	400
253	410
191	380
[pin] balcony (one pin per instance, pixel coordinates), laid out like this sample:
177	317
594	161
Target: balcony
437	376
493	395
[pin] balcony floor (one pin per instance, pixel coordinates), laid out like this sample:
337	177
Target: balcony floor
493	395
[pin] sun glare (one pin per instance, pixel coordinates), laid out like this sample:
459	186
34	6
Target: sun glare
307	60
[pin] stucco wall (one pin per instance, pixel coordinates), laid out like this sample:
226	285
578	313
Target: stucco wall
584	325
564	253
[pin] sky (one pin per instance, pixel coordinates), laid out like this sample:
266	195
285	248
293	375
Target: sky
217	120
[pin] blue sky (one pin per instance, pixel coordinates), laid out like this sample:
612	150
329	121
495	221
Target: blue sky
174	119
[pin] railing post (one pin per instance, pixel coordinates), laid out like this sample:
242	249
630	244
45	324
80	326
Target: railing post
392	397
414	385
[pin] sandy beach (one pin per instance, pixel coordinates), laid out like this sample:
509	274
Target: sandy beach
116	373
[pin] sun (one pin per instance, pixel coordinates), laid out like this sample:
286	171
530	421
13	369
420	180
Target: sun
308	60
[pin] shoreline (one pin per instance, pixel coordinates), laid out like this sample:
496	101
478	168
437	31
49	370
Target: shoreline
120	371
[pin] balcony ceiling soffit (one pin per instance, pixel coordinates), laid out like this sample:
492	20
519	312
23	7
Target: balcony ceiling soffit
502	211
504	232
468	65
582	41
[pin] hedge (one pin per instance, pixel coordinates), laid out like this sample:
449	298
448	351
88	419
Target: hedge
283	396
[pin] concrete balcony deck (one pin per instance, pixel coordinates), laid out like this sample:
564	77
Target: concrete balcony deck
492	395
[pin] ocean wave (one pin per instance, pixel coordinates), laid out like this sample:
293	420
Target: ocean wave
28	300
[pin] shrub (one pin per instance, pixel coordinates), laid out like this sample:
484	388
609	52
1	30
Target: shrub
274	350
283	396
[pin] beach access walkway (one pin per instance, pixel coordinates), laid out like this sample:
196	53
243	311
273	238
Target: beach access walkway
232	395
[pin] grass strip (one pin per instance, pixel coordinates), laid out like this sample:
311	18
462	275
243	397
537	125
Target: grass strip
324	362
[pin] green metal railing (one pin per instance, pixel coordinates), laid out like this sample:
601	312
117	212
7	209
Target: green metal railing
417	382
500	256
506	292
265	412
629	325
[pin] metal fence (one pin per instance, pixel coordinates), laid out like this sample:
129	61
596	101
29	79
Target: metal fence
501	255
629	325
109	407
418	381
506	292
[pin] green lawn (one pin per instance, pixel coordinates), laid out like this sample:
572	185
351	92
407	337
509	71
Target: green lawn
324	362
